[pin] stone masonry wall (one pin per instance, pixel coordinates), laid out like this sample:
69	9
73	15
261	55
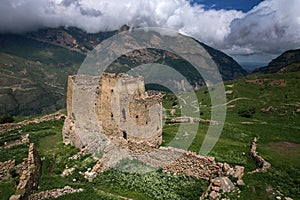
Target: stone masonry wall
124	109
114	105
29	177
260	162
172	160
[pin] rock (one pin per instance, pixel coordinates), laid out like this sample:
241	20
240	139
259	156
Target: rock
225	167
15	197
214	195
238	172
240	182
215	188
188	172
216	182
67	172
288	198
225	183
278	198
172	112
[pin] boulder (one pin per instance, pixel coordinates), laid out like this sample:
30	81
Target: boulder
214	195
225	183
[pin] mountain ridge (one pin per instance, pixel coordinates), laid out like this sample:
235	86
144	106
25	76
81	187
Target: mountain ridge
48	56
288	61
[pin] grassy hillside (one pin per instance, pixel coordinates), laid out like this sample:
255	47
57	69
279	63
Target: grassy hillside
33	75
248	115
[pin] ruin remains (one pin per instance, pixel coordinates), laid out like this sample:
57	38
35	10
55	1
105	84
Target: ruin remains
114	118
115	105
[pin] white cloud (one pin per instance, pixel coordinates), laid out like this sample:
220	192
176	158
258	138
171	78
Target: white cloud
270	28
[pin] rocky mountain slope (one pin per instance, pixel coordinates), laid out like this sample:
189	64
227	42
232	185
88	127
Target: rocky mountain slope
34	66
289	61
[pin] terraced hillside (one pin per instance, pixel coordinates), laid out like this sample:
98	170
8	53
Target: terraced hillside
265	106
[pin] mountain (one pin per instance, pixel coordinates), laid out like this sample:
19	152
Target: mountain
34	66
289	61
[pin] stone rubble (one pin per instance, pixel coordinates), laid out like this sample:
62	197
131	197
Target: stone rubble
24	139
218	186
29	176
5	167
54	193
193	120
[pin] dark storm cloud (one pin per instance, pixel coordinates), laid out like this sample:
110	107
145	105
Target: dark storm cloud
90	12
68	3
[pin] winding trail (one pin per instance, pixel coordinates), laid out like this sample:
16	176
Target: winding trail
233	100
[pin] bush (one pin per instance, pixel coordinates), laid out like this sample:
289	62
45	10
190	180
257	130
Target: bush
6	119
247	113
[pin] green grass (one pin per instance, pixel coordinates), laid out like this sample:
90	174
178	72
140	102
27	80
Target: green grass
272	130
15	152
151	185
7	188
283	125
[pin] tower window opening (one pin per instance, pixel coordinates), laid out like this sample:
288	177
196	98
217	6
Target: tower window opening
125	135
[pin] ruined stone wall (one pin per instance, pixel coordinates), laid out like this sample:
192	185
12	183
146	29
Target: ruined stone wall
81	126
125	110
171	160
29	176
12	126
55	193
260	162
114	105
5	167
104	109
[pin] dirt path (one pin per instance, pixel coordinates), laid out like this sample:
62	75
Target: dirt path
233	100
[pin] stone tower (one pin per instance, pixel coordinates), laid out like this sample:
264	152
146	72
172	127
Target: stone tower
115	105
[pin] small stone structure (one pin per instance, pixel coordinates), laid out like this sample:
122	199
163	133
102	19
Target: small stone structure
115	105
29	176
260	162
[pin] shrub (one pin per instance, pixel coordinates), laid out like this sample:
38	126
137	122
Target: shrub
6	119
247	113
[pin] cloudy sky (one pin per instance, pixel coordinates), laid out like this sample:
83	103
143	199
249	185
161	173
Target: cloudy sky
248	30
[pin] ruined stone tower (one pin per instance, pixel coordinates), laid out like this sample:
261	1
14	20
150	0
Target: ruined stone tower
115	105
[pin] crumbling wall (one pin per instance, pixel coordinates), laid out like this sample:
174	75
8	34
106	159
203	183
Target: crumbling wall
260	162
125	110
81	126
5	167
172	160
55	193
29	176
113	105
12	126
